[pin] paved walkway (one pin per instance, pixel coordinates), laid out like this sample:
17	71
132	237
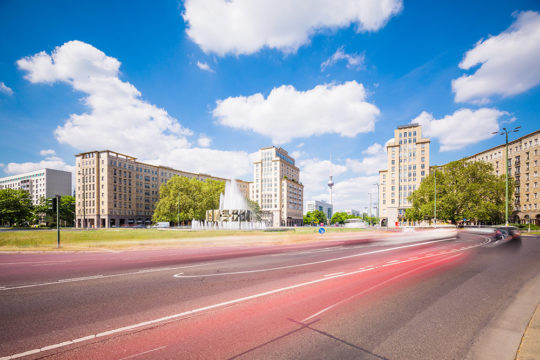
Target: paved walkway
530	344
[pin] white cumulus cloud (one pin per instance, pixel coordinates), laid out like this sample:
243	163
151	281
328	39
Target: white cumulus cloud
354	61
348	192
314	174
288	113
47	152
371	164
204	66
118	118
51	162
462	128
352	193
508	62
5	89
246	26
204	141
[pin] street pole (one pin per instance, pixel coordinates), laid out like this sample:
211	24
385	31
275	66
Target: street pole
58	221
179	210
84	201
505	132
435	205
369	209
378	201
506	196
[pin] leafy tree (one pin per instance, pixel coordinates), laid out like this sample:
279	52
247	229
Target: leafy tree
255	210
66	211
188	197
315	217
339	218
15	207
465	190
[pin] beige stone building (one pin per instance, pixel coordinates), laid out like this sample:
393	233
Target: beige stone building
524	167
407	164
114	189
276	187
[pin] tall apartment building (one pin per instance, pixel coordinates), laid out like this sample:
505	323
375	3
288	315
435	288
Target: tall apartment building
326	208
524	167
114	189
43	183
276	187
407	165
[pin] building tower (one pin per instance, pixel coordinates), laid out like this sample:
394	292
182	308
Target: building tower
277	188
330	181
330	186
407	166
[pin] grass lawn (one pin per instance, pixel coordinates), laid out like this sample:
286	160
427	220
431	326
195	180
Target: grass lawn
40	240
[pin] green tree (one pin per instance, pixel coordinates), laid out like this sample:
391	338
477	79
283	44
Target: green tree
67	210
315	217
42	212
15	207
465	190
339	218
255	210
187	198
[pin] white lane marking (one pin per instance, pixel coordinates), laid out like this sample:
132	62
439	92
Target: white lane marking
339	273
314	251
374	287
142	353
194	311
81	278
37	262
309	263
92	277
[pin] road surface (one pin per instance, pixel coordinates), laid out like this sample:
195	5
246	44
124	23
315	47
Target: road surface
416	297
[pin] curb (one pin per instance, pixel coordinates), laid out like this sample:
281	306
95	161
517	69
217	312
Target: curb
529	349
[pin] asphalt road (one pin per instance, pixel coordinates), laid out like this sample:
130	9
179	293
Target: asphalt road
419	297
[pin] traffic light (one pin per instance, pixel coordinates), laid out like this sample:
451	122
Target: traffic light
52	203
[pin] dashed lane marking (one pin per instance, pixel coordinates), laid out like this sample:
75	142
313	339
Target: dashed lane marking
194	311
94	277
311	263
339	273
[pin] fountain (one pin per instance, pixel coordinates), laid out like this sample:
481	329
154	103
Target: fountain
233	213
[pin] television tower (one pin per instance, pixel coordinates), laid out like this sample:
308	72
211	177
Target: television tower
330	180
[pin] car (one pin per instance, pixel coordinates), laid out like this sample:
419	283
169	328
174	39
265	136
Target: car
507	233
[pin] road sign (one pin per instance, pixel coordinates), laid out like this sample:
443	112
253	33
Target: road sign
322	230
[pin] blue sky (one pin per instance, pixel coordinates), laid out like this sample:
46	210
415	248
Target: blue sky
201	85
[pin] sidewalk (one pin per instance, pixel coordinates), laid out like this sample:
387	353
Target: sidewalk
529	349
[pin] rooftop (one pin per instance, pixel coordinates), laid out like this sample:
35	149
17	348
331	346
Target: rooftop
408	126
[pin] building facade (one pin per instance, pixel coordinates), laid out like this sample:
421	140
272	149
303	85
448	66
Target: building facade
276	187
407	165
524	167
326	208
114	189
43	183
353	212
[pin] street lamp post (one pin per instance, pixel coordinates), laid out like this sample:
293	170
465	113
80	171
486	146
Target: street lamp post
84	199
179	210
435	191
378	203
505	132
369	208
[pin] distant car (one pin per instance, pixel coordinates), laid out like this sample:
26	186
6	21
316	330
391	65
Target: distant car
507	233
162	225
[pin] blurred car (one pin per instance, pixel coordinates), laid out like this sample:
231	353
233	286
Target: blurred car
506	234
